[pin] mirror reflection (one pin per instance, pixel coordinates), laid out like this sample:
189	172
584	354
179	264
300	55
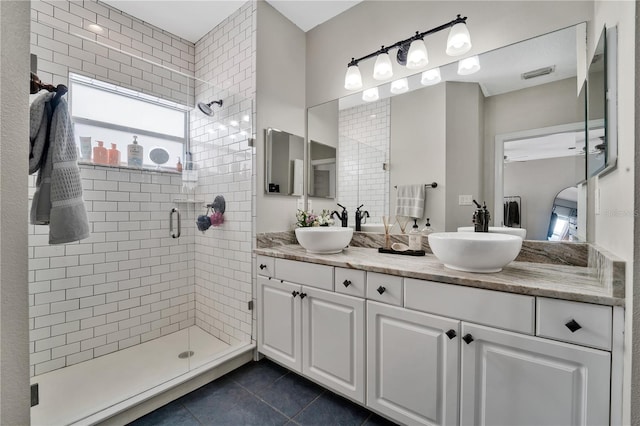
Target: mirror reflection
563	221
598	152
322	170
284	163
446	133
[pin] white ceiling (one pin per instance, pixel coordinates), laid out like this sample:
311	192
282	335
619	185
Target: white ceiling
192	19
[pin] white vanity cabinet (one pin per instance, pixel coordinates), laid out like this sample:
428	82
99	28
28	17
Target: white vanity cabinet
514	379
412	365
313	331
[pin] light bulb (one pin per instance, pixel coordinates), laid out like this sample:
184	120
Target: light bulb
459	40
417	57
431	77
353	79
399	86
469	65
383	70
370	95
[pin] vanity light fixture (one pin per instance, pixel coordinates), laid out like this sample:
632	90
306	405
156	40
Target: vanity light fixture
399	86
431	77
370	95
412	52
469	65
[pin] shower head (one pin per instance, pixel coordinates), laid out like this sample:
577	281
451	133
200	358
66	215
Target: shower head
206	108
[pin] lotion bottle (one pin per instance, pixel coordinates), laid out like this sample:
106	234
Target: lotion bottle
135	153
114	155
415	237
100	155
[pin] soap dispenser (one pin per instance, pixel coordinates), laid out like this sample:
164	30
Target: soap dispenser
135	153
114	155
427	229
100	154
415	237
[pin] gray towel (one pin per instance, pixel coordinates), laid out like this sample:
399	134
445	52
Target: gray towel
410	201
57	201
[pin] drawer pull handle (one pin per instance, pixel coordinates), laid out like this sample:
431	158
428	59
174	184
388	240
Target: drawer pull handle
467	338
294	293
573	326
303	295
346	283
262	266
451	334
381	289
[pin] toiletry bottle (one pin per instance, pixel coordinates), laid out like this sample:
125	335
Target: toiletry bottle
114	155
179	165
427	229
135	153
85	147
415	237
100	155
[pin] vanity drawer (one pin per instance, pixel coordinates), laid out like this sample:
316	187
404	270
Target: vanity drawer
595	322
266	265
488	307
384	288
311	274
351	282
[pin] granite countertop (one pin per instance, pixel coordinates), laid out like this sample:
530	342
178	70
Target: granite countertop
537	279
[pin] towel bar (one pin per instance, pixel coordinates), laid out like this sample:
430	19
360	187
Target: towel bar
428	185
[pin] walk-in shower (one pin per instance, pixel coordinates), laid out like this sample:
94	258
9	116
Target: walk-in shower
135	309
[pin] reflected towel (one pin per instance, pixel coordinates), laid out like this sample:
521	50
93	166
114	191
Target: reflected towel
410	201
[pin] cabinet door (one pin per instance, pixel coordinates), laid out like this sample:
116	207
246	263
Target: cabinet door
333	336
279	321
514	379
412	365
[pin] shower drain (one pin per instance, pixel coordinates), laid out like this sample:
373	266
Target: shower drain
185	354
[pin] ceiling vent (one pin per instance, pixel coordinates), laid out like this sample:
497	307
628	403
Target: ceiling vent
538	73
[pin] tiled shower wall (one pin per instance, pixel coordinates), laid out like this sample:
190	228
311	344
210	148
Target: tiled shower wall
129	52
128	283
364	148
225	68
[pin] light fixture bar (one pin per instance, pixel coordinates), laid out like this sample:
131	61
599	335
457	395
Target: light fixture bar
417	36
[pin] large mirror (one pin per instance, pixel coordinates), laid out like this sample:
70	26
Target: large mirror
284	163
446	132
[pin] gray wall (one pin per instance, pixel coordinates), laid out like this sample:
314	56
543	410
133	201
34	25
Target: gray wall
280	103
14	117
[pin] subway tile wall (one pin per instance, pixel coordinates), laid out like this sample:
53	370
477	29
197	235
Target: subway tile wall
128	52
225	69
364	147
128	283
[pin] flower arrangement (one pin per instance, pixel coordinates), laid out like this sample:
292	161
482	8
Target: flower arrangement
306	219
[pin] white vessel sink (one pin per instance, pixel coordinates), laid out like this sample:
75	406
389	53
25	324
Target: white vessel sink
520	232
475	251
372	227
324	239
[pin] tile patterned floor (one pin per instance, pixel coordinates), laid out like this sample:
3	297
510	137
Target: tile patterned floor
261	393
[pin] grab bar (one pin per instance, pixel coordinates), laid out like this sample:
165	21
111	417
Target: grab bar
173	235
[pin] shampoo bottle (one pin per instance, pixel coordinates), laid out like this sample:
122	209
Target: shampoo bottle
135	153
415	237
100	155
114	155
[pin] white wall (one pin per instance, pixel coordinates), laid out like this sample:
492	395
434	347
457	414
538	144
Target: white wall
280	103
14	113
614	225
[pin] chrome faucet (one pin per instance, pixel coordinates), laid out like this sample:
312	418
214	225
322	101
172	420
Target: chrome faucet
361	217
343	217
481	217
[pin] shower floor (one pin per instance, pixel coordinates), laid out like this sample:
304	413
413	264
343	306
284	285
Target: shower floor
73	393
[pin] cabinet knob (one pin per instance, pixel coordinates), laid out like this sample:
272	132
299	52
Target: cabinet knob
346	283
451	334
467	338
573	326
381	289
294	293
262	266
303	295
